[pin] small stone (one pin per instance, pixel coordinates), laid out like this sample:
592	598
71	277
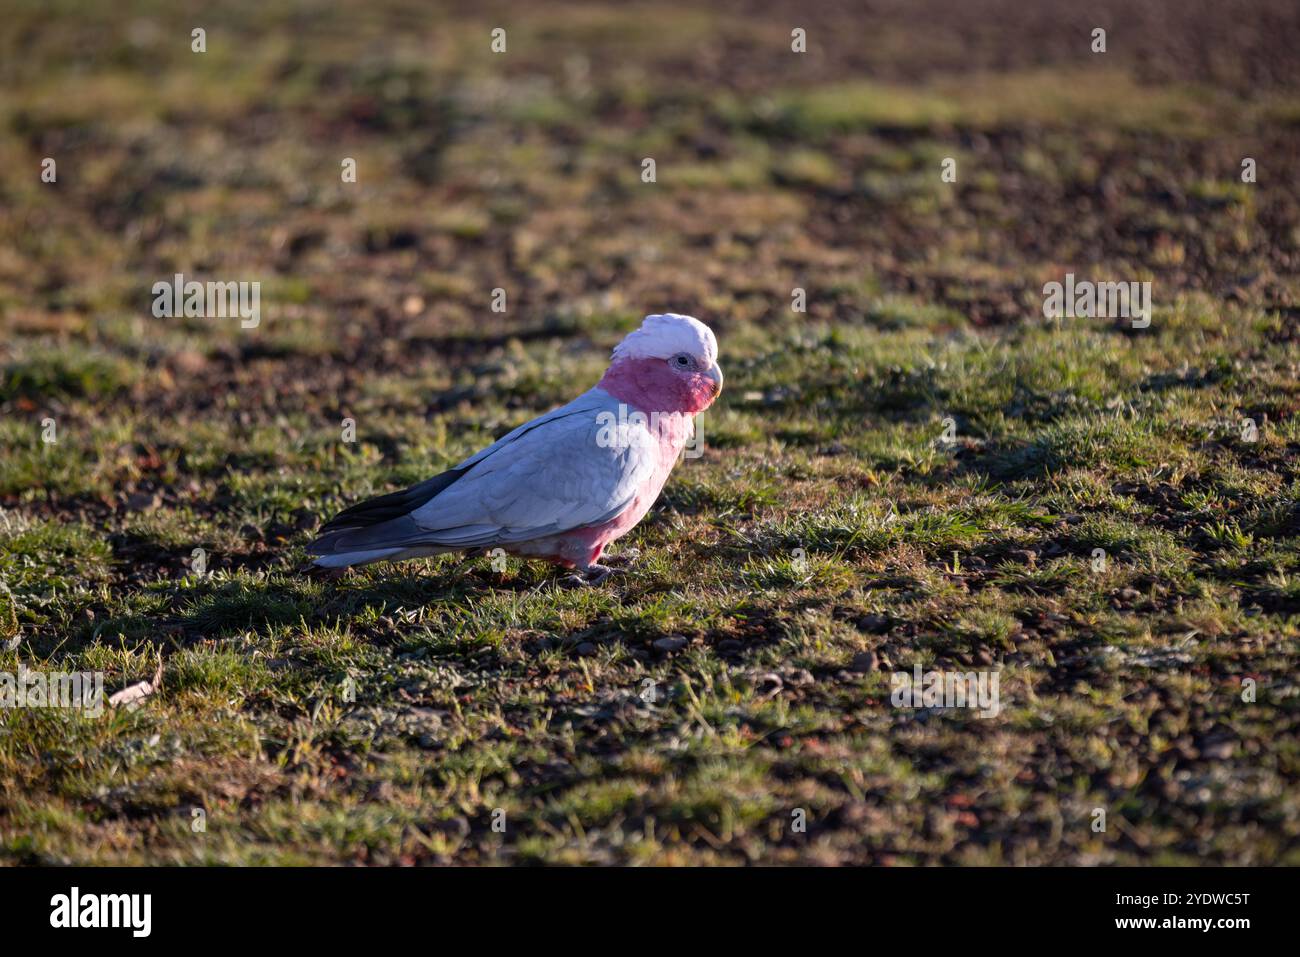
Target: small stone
380	791
729	646
586	649
670	644
864	661
1218	749
143	501
856	813
189	362
873	623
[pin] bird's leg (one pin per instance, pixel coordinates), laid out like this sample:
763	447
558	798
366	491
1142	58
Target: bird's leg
590	576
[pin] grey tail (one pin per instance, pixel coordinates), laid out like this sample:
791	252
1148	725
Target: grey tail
338	534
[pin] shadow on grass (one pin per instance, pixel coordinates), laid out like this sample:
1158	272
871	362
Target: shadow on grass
239	605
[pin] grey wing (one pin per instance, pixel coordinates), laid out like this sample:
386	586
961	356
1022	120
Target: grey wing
590	404
553	474
556	478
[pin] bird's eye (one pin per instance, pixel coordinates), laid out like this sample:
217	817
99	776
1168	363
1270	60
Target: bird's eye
683	361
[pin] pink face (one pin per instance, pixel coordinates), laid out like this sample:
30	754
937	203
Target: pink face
680	383
697	382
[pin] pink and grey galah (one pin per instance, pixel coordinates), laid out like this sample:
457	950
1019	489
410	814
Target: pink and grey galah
566	484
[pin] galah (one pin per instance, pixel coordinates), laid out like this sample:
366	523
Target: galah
566	484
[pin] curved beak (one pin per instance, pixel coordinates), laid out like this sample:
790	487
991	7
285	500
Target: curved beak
715	374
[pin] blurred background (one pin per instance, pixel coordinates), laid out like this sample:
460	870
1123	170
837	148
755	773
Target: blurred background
522	170
775	171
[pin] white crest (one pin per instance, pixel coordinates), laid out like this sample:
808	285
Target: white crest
665	335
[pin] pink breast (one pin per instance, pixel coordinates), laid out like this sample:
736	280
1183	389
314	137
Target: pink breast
672	438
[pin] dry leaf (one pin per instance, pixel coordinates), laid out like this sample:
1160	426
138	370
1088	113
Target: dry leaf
132	695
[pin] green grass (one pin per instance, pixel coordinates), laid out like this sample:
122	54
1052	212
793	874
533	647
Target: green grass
919	469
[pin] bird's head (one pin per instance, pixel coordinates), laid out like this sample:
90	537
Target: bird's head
668	364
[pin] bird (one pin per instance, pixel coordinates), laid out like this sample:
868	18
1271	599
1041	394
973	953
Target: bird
563	486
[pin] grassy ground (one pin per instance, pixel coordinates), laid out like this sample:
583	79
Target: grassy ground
829	536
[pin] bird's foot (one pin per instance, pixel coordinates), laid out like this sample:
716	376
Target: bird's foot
589	577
